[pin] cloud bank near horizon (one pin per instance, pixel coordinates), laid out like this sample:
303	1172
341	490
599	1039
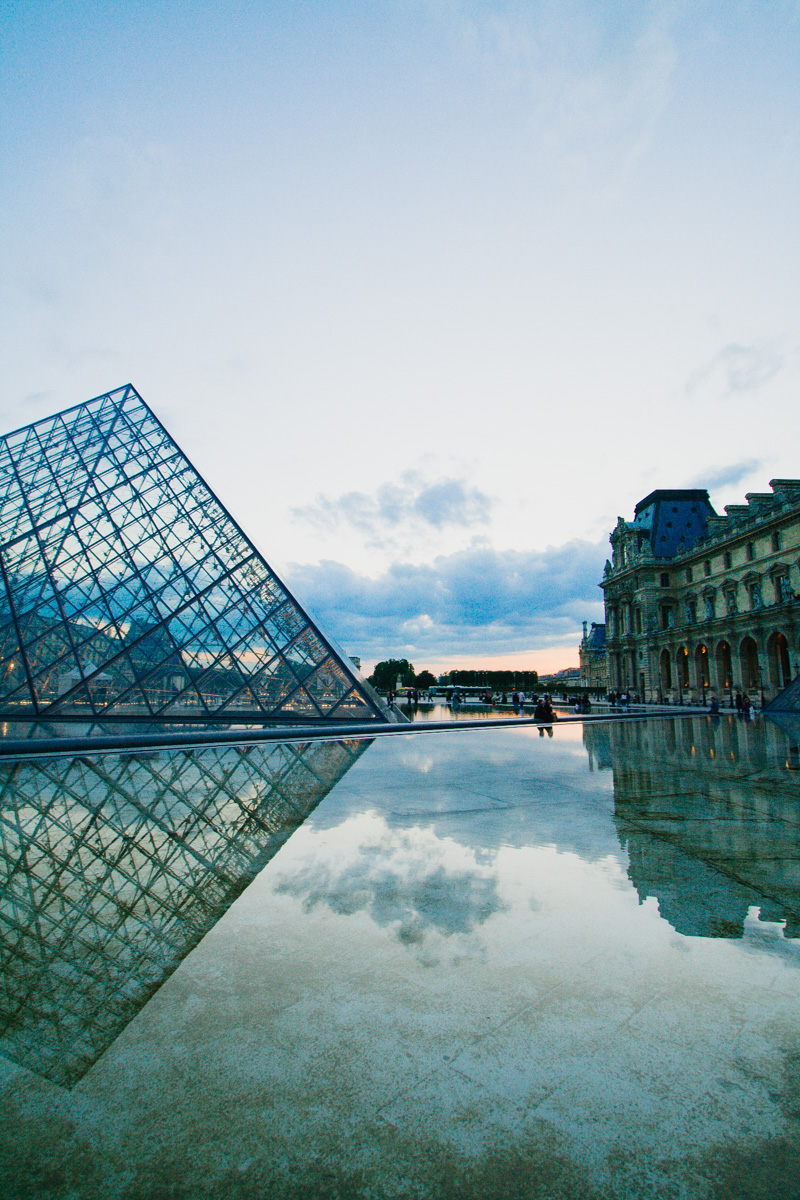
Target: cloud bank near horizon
479	601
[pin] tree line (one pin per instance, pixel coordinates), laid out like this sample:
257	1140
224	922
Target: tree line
386	674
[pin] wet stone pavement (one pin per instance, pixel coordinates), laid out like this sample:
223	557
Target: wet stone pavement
479	963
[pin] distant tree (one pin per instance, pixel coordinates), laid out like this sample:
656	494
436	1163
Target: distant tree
425	680
384	677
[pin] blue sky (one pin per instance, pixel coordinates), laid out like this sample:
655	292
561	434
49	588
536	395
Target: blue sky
429	291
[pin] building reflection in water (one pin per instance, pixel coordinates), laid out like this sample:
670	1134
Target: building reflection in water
708	810
114	868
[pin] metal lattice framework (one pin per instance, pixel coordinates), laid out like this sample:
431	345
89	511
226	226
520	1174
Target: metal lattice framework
112	870
787	701
129	591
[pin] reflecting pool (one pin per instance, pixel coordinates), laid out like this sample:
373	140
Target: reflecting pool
481	963
440	710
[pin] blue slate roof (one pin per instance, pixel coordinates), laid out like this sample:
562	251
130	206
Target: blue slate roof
674	519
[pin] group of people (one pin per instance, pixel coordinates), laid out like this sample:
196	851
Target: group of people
543	710
623	698
743	704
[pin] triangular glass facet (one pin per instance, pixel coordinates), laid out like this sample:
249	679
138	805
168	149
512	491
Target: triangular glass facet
128	590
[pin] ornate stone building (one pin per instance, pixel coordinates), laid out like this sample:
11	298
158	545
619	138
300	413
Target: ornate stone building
592	656
699	604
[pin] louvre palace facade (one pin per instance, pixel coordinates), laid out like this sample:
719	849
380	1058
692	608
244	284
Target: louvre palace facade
699	604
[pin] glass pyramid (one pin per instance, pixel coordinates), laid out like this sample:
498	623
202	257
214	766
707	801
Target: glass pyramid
112	868
129	591
787	701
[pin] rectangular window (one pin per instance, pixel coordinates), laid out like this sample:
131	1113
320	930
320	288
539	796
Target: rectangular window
638	620
707	568
751	551
776	541
688	574
709	607
730	603
727	559
665	578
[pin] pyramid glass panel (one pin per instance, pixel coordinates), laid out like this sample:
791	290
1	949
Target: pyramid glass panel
129	591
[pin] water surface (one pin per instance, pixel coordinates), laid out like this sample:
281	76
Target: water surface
476	963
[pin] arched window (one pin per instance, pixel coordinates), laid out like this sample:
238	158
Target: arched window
780	671
682	663
748	660
724	665
665	670
701	666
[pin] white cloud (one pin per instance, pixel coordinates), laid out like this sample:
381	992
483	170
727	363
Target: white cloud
596	79
738	368
720	477
415	501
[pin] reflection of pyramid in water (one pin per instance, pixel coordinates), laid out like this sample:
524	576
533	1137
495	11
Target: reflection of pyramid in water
113	870
130	592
